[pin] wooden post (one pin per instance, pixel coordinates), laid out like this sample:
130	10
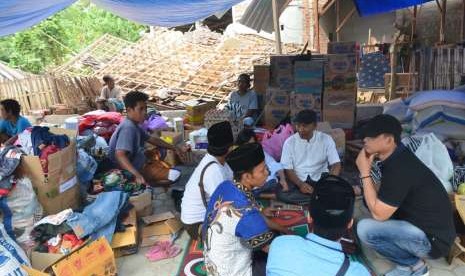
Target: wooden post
414	22
277	30
338	20
317	24
442	24
462	27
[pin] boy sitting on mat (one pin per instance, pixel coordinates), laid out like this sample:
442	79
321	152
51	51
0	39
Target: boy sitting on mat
234	226
319	253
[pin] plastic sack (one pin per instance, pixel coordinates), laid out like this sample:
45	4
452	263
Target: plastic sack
20	212
273	142
154	122
433	153
11	256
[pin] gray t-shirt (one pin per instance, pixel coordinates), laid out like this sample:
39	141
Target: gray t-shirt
130	138
247	101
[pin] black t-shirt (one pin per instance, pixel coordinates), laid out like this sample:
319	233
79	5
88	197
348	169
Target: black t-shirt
420	197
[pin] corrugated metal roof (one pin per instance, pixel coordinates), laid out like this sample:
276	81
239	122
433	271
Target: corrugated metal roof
259	14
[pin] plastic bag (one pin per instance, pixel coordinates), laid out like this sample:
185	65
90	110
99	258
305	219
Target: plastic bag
11	256
21	211
433	153
273	141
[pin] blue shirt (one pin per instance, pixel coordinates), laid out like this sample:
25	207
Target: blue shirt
13	129
296	256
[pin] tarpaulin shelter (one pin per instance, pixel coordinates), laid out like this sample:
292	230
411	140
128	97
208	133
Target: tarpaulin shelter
370	7
17	15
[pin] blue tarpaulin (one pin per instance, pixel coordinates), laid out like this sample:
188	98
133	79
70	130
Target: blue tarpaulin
371	7
17	15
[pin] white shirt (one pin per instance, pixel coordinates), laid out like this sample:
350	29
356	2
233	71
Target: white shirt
273	166
309	157
192	208
106	93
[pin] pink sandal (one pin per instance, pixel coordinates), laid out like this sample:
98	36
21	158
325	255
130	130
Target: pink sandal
162	250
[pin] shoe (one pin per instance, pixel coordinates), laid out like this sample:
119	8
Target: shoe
422	271
400	271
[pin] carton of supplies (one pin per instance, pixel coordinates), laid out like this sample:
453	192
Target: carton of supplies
343	47
275	114
196	110
308	77
93	258
142	203
277	97
261	78
125	243
159	227
58	189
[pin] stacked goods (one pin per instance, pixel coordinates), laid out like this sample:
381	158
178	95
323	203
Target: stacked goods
261	81
340	92
308	87
345	47
277	107
196	110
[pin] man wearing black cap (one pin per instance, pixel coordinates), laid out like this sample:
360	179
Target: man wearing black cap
306	156
246	99
233	225
319	253
412	213
211	172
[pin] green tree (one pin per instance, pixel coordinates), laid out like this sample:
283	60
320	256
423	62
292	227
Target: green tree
54	40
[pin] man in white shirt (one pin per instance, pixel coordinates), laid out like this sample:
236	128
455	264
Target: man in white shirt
246	99
211	172
306	156
110	97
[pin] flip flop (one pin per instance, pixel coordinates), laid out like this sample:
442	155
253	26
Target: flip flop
163	250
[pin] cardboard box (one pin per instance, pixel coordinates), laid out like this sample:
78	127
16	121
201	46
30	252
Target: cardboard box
174	138
343	64
339	118
95	258
275	114
308	77
277	97
261	79
159	227
143	203
125	243
343	47
196	109
59	189
282	70
305	101
343	99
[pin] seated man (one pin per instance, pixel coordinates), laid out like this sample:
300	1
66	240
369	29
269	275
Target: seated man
412	213
246	99
275	169
110	96
319	253
11	123
127	143
233	225
305	158
211	172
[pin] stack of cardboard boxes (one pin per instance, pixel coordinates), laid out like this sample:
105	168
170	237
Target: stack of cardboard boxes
308	87
340	85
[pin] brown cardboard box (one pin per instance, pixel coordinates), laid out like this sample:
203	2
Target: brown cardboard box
174	138
305	101
142	203
342	47
339	118
277	97
308	77
125	243
341	64
196	110
59	189
95	258
344	99
275	114
261	79
159	227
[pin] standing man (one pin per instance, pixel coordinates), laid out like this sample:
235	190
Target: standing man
319	253
209	174
11	123
127	144
234	228
306	157
412	213
110	97
246	99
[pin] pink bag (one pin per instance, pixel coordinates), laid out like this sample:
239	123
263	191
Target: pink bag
273	141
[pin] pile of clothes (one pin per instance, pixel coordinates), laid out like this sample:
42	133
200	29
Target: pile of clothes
117	180
440	112
63	232
100	122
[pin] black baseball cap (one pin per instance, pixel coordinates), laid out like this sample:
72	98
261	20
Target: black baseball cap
382	124
306	116
332	202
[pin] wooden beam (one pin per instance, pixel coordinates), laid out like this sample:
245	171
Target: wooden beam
414	22
327	6
346	18
277	29
317	25
442	25
338	19
462	27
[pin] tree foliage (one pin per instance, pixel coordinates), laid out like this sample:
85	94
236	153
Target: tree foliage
54	40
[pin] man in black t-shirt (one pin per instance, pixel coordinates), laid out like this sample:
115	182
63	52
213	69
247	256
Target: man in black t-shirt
412	213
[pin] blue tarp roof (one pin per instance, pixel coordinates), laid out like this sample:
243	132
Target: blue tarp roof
371	7
17	15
